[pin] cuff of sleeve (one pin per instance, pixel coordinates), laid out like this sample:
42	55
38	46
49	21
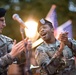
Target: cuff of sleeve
7	60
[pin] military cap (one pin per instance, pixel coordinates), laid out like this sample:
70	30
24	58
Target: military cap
2	12
44	22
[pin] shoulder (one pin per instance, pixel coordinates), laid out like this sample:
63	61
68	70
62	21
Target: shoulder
41	46
3	37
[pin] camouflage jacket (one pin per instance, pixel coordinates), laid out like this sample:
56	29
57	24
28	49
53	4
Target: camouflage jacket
5	47
44	52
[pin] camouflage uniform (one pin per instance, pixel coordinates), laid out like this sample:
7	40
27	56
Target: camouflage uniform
5	58
64	65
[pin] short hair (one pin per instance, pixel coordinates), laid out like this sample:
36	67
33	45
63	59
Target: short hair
44	22
2	12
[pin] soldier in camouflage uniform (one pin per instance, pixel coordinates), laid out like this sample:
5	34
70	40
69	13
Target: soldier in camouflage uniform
8	49
53	56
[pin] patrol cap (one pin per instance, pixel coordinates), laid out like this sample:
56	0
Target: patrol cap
44	22
2	12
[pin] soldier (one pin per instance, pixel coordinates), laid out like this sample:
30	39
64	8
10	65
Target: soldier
8	51
53	56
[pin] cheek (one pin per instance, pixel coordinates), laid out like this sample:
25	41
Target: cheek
50	34
0	24
39	34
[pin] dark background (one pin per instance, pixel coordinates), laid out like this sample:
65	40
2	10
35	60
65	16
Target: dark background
36	9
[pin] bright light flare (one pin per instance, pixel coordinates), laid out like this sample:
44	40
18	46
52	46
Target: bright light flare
31	31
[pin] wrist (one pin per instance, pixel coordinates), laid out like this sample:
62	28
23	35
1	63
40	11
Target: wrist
11	55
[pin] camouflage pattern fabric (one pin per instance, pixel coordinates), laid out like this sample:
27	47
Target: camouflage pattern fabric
44	52
5	58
